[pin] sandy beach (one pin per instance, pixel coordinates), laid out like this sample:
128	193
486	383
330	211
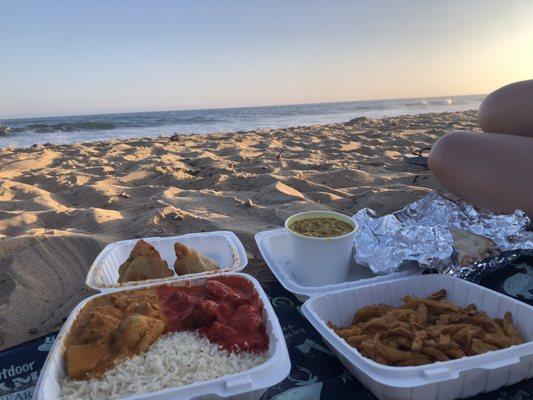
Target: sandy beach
61	204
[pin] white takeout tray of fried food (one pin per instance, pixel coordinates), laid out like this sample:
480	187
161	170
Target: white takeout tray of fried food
442	380
223	247
247	385
274	247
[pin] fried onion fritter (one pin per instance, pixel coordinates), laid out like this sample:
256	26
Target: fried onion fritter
369	312
426	330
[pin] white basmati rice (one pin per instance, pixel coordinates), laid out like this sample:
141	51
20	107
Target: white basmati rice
175	359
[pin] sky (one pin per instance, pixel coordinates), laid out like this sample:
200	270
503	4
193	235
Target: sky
103	56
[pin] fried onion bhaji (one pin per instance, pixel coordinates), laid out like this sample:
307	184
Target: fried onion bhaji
426	330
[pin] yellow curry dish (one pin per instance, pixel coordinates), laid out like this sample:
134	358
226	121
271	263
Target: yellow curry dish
323	227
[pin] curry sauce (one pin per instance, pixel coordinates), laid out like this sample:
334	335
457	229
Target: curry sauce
110	328
117	326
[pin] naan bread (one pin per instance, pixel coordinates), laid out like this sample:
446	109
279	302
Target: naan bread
471	247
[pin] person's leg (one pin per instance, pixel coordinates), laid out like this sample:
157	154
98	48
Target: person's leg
491	171
509	110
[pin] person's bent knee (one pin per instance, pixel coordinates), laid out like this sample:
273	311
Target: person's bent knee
490	171
444	150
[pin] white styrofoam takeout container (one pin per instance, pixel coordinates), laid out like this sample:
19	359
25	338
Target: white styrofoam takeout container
275	248
250	384
320	260
447	380
223	247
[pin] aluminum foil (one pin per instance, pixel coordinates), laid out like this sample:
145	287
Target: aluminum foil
419	233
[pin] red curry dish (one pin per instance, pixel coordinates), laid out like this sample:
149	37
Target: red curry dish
226	309
110	328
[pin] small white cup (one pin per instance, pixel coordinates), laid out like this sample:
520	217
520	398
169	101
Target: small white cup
316	261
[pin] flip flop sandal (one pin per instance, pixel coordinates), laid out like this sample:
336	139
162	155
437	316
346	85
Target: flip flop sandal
417	157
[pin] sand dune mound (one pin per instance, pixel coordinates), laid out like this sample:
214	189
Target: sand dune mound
44	276
327	198
278	193
25	161
23	197
343	178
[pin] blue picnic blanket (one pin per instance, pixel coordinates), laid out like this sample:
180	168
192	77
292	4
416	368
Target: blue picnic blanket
316	373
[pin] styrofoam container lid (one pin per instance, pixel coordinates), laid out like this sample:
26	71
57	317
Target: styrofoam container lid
463	377
223	247
274	247
248	384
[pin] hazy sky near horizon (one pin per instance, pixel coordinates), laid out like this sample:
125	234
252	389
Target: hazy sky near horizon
104	56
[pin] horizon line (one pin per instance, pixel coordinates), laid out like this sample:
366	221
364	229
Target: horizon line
237	107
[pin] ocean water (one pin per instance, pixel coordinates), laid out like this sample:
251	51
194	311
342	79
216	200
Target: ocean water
88	128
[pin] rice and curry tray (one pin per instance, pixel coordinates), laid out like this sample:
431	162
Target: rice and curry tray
190	337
